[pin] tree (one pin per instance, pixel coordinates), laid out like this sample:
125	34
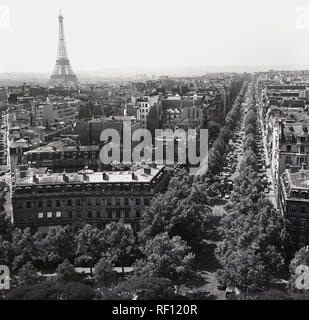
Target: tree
27	274
6	253
52	290
121	242
104	272
6	227
66	272
90	246
273	294
23	247
213	130
58	245
251	253
142	288
166	257
182	211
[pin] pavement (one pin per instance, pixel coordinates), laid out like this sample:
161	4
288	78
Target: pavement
271	195
6	180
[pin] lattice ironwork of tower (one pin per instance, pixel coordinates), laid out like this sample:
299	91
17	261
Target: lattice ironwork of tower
63	73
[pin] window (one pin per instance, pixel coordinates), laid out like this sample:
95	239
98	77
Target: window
40	204
98	214
127	214
117	201
41	215
89	214
126	201
48	203
109	214
118	214
137	201
77	202
57	203
138	213
69	202
293	208
303	224
49	214
303	209
294	222
58	214
78	214
302	239
89	202
302	149
70	215
109	201
28	204
97	202
146	201
288	148
19	205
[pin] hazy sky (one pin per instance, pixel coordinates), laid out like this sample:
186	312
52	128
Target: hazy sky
155	33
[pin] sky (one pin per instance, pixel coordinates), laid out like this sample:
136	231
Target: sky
160	34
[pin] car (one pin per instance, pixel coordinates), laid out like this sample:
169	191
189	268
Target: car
2	173
227	196
266	190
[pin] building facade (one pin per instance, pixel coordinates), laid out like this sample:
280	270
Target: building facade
294	204
98	198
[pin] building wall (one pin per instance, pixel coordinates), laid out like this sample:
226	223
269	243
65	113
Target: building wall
38	206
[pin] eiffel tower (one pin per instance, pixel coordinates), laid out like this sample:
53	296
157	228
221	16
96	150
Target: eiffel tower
63	74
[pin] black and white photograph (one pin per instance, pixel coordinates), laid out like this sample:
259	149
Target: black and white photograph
154	155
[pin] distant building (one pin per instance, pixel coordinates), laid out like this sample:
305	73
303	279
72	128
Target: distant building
55	114
293	144
144	106
294	203
70	158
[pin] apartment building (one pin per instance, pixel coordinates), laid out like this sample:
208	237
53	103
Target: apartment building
98	198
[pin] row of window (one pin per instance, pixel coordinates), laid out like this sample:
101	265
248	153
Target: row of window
77	202
111	214
298	223
74	155
298	239
295	208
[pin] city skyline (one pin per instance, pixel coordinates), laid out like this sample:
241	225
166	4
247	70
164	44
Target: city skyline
251	36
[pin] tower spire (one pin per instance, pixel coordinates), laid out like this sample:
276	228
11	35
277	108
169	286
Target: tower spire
63	73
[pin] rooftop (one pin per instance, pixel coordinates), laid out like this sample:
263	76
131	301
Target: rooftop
142	174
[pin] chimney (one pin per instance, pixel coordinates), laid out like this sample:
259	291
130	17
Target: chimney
147	170
65	177
85	177
134	176
35	178
105	176
303	166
